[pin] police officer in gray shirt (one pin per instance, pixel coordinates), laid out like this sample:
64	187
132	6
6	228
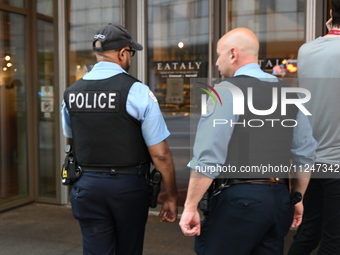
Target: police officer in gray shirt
247	215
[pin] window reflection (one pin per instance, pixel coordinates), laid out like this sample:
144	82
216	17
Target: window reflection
280	27
47	111
178	48
13	108
45	7
86	17
15	3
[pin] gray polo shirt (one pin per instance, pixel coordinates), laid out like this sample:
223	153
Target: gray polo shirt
319	72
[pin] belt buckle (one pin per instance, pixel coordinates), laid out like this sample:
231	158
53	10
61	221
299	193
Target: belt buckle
277	181
113	171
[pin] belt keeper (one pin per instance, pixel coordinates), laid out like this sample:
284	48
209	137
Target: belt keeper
139	170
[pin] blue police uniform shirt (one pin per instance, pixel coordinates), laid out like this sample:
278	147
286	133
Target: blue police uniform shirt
211	150
141	104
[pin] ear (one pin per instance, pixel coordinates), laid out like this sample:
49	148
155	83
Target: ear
121	55
233	55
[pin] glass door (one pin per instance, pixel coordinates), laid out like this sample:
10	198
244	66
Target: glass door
14	177
47	114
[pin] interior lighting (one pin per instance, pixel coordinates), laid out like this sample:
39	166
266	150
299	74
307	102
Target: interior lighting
180	45
9	64
7	58
291	68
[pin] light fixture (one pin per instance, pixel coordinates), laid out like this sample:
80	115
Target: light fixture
5	68
7	58
180	45
9	64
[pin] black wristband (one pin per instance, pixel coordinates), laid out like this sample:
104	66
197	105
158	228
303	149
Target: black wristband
296	197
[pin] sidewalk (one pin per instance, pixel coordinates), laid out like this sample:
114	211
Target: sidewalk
40	229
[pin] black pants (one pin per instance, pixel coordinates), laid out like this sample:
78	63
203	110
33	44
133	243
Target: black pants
112	211
321	219
247	219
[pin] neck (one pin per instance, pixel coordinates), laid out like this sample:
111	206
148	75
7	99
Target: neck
249	61
333	32
335	28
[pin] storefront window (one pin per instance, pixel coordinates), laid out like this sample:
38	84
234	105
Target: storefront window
86	17
13	108
178	50
280	27
178	37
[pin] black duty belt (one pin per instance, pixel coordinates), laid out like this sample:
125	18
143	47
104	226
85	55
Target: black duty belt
140	170
233	181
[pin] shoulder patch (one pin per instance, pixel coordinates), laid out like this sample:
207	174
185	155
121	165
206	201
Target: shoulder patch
210	108
153	97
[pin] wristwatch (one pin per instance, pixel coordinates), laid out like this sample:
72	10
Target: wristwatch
296	197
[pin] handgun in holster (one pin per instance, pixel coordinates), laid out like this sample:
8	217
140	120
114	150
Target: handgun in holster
204	204
154	187
214	189
70	171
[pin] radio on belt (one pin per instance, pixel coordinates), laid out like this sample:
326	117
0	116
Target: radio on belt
70	171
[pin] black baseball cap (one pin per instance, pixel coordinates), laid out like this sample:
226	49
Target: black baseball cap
114	37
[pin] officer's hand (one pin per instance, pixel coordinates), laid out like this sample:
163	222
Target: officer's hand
168	211
298	212
188	219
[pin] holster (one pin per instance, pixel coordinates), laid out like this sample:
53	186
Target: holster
205	202
70	171
155	180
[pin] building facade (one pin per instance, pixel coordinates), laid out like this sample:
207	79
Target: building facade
46	45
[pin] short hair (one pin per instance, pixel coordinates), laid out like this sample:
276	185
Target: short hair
336	13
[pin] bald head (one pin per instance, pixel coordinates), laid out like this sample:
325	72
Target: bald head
235	49
244	40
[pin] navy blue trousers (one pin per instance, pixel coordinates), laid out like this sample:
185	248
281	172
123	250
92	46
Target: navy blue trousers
112	211
247	219
321	219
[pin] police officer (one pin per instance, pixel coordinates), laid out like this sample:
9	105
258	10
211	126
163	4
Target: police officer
246	215
117	129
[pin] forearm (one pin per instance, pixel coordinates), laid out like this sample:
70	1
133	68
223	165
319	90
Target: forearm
198	185
166	168
162	161
301	181
303	152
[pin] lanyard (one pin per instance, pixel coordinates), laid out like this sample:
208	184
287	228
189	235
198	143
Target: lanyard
334	32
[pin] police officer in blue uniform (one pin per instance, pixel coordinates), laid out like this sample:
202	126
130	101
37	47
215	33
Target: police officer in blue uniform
118	130
248	213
